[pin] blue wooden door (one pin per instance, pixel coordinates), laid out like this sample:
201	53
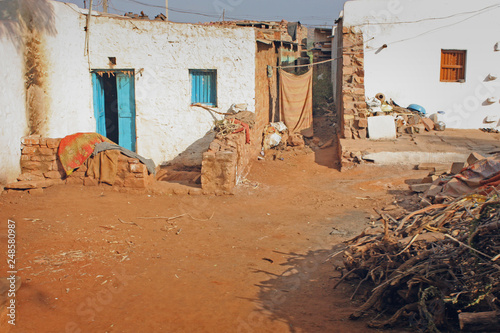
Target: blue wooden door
126	109
99	107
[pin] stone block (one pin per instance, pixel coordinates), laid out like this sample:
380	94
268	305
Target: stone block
133	182
420	188
362	123
49	158
30	140
433	191
429	124
346	60
30	177
53	143
359	91
138	168
29	150
413	119
457	167
429	179
474	157
26	185
53	174
348	70
133	161
362	133
32	166
46	151
35	158
43	142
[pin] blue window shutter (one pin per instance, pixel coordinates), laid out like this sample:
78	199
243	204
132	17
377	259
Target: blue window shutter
204	86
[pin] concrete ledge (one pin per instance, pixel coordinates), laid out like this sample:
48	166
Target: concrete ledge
414	157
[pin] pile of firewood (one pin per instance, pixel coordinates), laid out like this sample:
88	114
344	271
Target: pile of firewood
434	269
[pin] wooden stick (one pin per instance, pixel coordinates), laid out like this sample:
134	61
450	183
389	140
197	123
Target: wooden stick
162	217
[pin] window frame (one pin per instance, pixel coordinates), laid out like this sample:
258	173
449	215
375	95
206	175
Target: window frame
447	73
209	98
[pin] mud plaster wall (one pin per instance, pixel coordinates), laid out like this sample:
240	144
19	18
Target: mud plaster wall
266	92
12	100
35	78
161	54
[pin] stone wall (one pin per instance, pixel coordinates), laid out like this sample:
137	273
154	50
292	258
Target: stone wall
40	167
226	163
353	105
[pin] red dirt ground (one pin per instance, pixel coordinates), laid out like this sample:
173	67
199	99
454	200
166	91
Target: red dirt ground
256	261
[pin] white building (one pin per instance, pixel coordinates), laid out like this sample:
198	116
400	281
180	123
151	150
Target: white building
134	79
441	54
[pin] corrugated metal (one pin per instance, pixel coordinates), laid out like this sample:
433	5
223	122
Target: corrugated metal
204	86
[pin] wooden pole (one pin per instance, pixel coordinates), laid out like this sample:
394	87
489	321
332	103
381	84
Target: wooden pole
105	6
166	10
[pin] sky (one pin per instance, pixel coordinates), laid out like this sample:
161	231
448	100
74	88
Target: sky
309	12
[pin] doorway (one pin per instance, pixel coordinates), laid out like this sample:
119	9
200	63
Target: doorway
114	106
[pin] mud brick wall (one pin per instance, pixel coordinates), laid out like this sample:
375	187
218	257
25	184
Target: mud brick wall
353	104
39	161
226	163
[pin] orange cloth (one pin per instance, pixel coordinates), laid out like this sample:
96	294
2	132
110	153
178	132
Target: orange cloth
75	149
296	102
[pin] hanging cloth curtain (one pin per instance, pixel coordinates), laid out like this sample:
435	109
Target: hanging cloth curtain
296	100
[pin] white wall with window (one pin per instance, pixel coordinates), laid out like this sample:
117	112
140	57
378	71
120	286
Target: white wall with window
439	54
160	56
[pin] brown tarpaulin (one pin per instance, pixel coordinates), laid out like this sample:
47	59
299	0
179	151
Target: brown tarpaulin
296	100
104	166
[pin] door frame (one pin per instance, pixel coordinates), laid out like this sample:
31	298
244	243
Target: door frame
126	105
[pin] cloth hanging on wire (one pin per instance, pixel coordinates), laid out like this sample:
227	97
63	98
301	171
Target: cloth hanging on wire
296	100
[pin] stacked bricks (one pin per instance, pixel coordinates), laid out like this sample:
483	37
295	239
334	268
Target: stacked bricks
39	158
39	162
355	111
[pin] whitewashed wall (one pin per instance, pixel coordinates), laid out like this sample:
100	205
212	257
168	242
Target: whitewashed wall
12	100
161	54
408	70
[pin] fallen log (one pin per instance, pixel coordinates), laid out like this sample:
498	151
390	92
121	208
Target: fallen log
480	321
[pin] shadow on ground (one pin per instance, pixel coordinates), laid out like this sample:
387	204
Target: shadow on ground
303	298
